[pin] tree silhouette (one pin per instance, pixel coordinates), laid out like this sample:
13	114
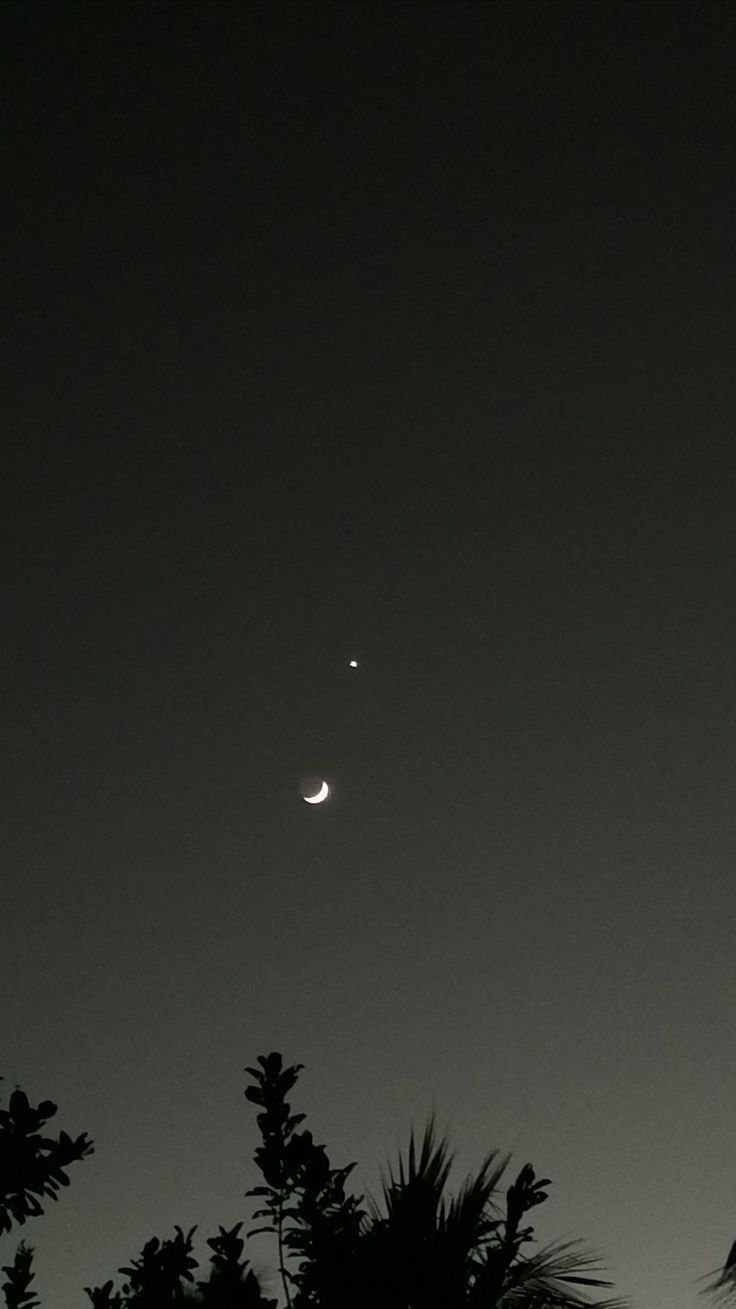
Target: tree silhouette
420	1248
423	1250
305	1201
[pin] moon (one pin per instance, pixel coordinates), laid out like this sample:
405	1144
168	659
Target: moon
314	790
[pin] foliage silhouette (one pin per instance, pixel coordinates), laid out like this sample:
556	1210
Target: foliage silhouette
232	1284
424	1250
16	1288
420	1248
305	1201
162	1276
157	1277
104	1297
32	1165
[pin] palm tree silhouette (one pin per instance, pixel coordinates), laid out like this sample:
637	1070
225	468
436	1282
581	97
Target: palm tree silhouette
424	1249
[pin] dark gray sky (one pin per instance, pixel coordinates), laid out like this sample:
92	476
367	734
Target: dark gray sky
405	333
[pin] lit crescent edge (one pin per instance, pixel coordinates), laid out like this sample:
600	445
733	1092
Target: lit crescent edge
321	795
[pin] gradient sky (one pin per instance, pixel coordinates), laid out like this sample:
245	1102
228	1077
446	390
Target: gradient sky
404	333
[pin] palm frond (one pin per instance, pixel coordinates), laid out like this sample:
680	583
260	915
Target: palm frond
722	1286
416	1194
471	1214
558	1276
430	1169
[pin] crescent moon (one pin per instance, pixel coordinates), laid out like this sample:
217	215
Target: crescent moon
321	795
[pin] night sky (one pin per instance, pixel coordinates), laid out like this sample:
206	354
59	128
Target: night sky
403	333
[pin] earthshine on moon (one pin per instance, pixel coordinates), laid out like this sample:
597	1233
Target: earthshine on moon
314	790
